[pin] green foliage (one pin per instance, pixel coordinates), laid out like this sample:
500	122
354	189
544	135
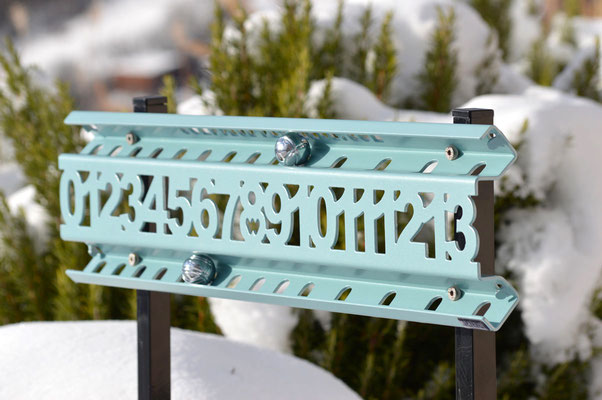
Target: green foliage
273	83
497	15
586	80
438	79
442	385
33	283
566	381
516	381
487	72
330	54
596	306
363	42
273	79
32	119
169	90
25	283
385	60
543	68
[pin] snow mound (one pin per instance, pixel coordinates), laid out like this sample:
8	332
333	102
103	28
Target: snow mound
554	249
264	325
350	100
98	360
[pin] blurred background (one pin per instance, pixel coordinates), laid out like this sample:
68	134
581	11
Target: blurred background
535	62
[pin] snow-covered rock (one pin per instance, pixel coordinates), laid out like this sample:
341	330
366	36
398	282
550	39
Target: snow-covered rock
98	360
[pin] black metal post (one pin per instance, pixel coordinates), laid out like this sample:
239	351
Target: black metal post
475	349
153	312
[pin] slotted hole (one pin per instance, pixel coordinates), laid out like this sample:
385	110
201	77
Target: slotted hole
160	274
388	299
156	152
139	271
136	151
118	270
257	284
253	158
307	289
115	151
429	167
339	162
383	164
96	149
99	267
343	294
282	286
477	169
482	309
204	155
233	282
434	304
229	157
180	154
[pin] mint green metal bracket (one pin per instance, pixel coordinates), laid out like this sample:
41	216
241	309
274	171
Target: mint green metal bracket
215	188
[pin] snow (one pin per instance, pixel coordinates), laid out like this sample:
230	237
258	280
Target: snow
412	23
89	45
98	360
354	101
264	325
564	80
526	27
554	249
11	178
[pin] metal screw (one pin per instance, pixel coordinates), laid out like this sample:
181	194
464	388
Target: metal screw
451	152
492	135
133	259
292	149
454	293
131	138
199	269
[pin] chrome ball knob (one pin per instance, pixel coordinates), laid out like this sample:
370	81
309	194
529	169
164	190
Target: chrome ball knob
199	269
292	149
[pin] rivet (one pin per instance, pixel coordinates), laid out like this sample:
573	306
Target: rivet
133	259
199	269
451	152
131	138
454	293
292	149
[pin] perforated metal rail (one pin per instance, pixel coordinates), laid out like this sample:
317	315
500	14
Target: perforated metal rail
347	232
